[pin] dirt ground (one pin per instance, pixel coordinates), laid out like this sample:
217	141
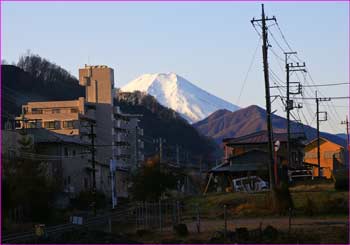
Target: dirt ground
303	230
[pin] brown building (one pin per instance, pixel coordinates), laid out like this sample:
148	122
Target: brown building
65	158
248	156
331	157
259	141
75	117
64	117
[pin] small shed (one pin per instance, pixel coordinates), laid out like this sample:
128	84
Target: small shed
252	162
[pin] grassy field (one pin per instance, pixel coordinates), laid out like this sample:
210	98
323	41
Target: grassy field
309	200
320	216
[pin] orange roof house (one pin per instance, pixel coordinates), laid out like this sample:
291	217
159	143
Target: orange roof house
331	156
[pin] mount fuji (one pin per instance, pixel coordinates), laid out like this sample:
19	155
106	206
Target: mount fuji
177	93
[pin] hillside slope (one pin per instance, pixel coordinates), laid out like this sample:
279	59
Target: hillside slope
224	124
159	121
20	87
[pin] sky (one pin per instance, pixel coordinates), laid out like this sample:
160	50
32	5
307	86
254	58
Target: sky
211	44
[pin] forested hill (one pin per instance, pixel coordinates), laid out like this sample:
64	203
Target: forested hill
159	121
35	79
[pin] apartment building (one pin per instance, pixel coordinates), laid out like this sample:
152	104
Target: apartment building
93	116
130	139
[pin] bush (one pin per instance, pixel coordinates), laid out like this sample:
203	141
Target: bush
335	205
181	229
150	182
281	199
342	180
85	199
310	207
242	234
143	232
270	232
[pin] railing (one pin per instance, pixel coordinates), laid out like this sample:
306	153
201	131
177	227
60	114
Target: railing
120	216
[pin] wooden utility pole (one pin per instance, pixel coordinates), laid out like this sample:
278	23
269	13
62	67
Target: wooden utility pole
160	141
318	129
346	122
267	91
92	135
318	137
289	103
161	150
177	155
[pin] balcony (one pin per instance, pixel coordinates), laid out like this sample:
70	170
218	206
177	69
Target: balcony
140	131
117	124
120	137
88	117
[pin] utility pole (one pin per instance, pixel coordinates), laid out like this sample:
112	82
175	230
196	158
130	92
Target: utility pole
267	91
318	129
160	141
137	146
289	103
160	150
177	155
92	135
346	122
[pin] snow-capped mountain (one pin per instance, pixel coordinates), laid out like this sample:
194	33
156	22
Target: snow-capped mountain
177	93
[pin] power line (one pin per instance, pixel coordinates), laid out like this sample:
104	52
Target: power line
319	85
283	37
333	98
248	71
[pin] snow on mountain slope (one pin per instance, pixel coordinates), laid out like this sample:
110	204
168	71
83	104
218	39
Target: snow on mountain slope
175	92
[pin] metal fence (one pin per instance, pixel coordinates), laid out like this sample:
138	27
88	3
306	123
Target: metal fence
151	215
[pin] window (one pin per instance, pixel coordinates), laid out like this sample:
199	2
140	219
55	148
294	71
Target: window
73	153
56	111
74	110
68	124
37	111
68	180
66	151
328	154
310	155
294	157
50	124
32	124
86	186
11	154
57	124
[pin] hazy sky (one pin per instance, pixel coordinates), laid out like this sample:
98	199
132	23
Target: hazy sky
210	44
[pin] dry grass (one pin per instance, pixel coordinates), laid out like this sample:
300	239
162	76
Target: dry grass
321	198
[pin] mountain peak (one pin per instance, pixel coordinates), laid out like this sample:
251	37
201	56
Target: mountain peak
249	120
179	94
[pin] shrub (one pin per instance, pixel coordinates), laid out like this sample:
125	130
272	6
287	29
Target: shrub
181	229
335	205
281	199
342	180
310	207
85	199
270	232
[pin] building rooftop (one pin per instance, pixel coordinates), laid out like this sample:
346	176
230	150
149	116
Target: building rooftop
42	135
261	137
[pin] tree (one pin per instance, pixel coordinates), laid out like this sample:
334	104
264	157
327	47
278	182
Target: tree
25	184
150	182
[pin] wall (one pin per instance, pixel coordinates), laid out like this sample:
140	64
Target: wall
327	151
